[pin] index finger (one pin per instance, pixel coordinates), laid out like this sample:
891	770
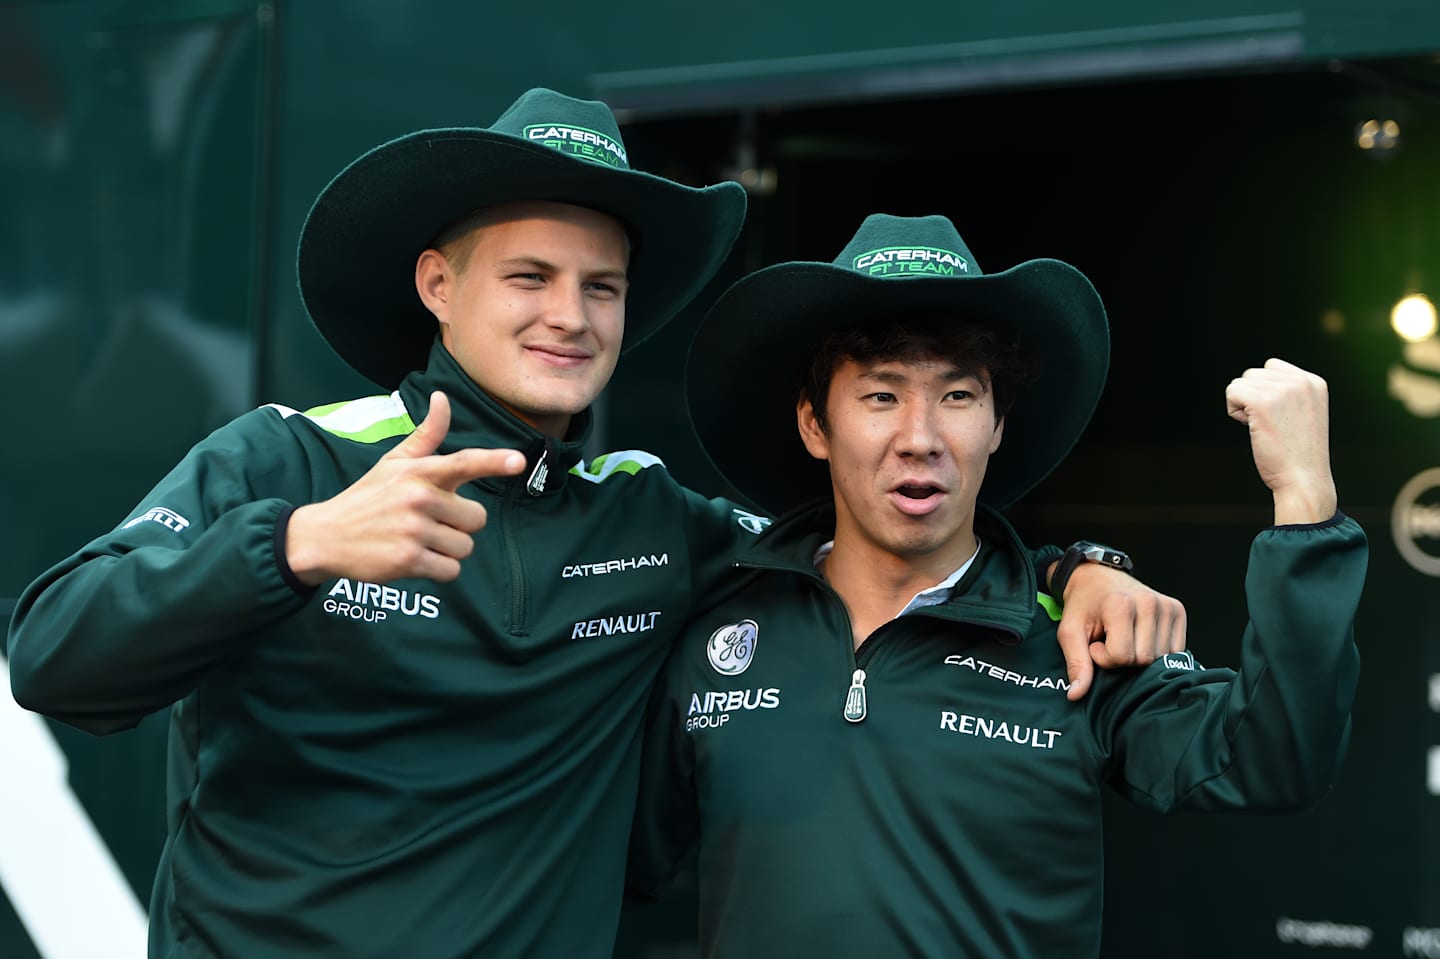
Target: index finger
453	470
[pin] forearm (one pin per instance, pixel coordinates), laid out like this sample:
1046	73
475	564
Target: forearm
1272	735
1301	645
115	633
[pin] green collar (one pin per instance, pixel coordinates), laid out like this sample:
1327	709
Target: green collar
476	420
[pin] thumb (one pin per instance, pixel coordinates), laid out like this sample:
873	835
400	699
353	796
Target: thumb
428	436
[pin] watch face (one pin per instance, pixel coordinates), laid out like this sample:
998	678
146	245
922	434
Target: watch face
1097	553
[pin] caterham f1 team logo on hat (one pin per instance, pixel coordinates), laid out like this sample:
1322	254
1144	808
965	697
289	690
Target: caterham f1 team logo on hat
911	261
732	647
579	142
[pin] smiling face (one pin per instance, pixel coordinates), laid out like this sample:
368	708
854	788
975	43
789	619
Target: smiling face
907	442
534	309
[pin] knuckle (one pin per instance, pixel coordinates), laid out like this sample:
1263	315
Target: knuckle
1122	603
412	525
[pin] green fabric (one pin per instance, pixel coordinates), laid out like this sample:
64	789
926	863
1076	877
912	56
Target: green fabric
359	244
962	817
373	432
763	329
406	769
609	464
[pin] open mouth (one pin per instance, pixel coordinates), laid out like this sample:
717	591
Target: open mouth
917	499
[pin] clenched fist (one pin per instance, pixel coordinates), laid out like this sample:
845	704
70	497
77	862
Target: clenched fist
1287	410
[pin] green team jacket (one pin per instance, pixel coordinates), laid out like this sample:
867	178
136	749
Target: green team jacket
411	769
961	816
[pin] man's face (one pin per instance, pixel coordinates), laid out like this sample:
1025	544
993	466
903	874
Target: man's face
536	315
907	443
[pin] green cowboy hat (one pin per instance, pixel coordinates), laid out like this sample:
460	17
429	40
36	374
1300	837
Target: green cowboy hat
359	244
749	354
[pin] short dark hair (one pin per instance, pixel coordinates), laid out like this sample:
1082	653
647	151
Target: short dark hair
1001	365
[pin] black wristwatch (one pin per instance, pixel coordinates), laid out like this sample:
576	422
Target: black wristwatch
1086	552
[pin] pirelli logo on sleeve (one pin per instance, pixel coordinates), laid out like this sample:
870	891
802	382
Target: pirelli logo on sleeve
167	518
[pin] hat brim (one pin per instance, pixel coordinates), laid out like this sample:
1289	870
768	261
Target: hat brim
747	359
359	244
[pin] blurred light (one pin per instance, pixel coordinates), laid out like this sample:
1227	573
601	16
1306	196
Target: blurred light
760	181
1365	136
1380	136
1333	322
1413	318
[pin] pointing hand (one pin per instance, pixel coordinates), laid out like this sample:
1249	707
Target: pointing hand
404	517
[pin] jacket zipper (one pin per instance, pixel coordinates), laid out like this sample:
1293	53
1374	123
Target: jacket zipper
518	626
856	700
534	485
855	697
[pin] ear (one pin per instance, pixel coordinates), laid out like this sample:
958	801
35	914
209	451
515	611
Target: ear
433	278
811	434
995	437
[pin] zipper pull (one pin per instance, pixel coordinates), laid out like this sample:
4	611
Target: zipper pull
855	698
535	485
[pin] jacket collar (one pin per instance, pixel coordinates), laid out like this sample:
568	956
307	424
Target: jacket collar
476	420
998	591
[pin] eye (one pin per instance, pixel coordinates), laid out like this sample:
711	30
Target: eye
603	289
880	397
527	277
959	396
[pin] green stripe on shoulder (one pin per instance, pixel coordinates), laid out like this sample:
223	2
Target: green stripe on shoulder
1051	607
620	462
366	420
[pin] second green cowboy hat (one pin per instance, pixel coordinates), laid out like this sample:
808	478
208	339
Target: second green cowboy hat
359	244
748	356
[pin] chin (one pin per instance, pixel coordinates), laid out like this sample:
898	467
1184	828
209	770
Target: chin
562	403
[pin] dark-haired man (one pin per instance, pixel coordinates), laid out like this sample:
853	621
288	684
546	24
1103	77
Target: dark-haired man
868	736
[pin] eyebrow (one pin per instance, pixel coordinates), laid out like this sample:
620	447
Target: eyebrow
544	266
894	376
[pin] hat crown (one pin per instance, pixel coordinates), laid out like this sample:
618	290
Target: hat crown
904	247
584	129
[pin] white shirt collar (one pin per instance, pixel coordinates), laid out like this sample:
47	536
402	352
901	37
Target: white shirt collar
934	596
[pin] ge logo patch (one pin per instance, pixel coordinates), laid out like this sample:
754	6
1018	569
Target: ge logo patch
732	647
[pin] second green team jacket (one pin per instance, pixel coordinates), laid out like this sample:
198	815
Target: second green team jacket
934	794
407	769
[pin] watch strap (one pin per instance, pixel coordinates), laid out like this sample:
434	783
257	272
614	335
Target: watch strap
1085	552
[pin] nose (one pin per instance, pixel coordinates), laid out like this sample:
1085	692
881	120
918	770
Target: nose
567	309
919	433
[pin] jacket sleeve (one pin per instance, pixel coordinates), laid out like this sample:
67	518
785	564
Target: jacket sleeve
1272	735
716	531
667	818
131	622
